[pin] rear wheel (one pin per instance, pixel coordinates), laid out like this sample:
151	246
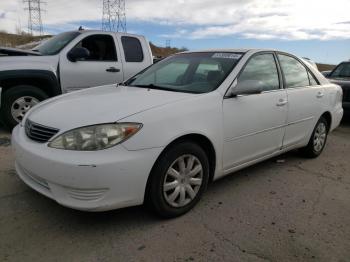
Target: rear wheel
17	101
178	179
317	140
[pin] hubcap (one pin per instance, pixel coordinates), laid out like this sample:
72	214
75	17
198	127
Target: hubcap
183	180
21	106
320	137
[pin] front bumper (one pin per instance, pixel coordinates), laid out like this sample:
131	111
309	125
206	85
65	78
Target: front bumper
92	181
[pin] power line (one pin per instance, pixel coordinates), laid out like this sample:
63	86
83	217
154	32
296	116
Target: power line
34	8
114	17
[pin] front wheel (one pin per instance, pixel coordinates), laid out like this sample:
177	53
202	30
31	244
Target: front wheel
317	140
178	179
17	101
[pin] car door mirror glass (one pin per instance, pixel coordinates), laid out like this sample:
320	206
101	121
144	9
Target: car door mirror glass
78	53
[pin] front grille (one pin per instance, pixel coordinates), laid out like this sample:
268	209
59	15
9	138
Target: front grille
39	133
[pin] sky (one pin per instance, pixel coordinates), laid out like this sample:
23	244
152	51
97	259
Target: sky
316	29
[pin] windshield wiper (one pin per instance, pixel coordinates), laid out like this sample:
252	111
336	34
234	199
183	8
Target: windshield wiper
153	86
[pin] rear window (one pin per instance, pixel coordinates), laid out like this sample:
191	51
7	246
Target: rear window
132	49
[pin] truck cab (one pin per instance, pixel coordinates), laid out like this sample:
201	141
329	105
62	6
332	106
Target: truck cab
67	62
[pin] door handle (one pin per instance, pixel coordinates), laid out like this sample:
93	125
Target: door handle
113	70
319	95
281	102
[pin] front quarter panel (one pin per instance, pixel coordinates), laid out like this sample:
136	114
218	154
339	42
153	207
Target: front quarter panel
201	114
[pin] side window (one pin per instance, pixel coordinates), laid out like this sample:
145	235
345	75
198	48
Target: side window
294	72
313	81
261	68
101	48
132	49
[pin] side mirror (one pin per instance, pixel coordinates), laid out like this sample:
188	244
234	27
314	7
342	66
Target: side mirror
78	53
245	87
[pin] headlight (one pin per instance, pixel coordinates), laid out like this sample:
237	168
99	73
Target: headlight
97	137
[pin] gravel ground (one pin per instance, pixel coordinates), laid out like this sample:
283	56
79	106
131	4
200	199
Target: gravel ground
284	209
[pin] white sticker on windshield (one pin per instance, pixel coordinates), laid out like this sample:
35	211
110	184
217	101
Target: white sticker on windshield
227	55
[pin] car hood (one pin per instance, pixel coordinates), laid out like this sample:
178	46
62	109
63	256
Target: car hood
97	105
29	63
17	52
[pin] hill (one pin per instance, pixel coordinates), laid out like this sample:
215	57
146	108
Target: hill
165	51
13	40
325	67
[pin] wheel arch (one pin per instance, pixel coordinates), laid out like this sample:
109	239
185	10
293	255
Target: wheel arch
201	140
43	79
327	115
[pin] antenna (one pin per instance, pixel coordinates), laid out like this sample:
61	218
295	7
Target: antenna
114	18
35	23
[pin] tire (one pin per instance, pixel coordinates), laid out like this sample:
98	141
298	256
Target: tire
19	99
159	199
320	133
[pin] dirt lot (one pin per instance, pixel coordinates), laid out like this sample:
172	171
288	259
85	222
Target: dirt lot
285	209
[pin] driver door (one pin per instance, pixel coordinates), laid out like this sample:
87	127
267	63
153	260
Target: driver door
103	67
254	124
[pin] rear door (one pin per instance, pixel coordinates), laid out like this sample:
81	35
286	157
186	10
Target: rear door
254	124
305	100
103	67
135	53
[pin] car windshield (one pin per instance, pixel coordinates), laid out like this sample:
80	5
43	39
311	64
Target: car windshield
342	70
55	44
188	72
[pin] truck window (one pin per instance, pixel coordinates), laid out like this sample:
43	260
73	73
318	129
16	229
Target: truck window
132	49
101	48
55	44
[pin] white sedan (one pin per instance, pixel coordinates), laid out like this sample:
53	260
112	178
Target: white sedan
169	131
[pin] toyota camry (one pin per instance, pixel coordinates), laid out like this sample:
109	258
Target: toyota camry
161	137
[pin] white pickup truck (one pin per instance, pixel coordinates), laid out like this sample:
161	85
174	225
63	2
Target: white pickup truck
67	62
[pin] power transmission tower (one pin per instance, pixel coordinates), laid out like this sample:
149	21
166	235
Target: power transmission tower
114	18
35	23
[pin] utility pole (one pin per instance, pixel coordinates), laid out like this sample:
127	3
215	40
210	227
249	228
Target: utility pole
114	17
34	8
167	43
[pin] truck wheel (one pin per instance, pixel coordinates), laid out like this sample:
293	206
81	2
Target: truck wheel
17	101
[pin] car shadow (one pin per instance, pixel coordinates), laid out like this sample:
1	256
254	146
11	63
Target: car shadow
142	216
